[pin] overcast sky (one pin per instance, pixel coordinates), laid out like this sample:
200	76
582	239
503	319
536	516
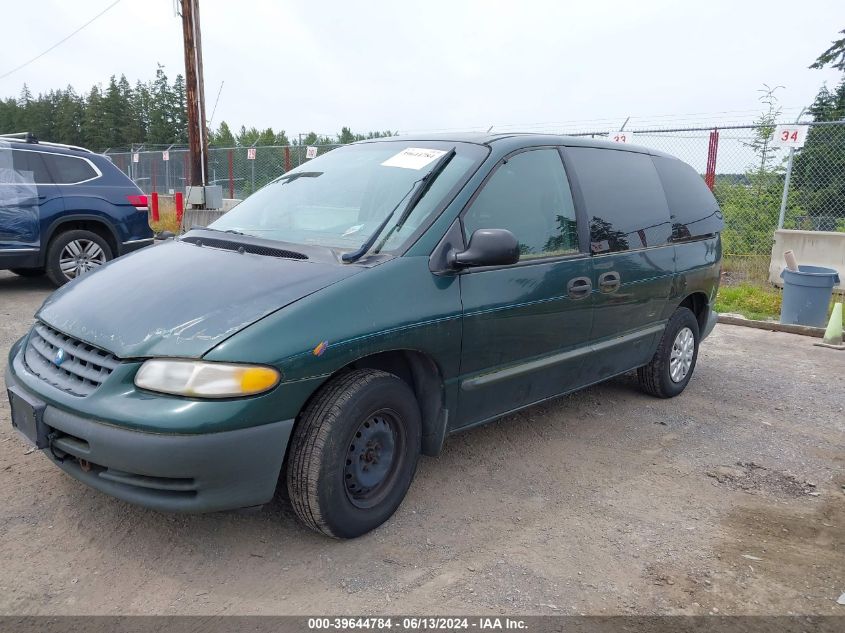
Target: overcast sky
436	65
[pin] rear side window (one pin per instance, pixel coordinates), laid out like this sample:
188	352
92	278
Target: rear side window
528	195
68	170
695	212
623	198
30	167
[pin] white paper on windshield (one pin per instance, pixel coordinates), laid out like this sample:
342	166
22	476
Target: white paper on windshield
414	158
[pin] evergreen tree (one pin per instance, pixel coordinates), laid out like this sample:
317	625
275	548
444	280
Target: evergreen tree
162	130
179	108
93	121
818	174
223	137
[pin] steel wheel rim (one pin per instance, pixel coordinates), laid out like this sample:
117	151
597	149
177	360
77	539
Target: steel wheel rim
373	457
80	256
683	350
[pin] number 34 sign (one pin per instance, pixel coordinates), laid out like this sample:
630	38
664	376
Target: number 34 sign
790	136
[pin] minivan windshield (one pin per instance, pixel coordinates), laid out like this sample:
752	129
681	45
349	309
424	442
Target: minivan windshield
339	199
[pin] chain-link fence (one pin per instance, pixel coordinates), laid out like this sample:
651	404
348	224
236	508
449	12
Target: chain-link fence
745	168
239	170
748	173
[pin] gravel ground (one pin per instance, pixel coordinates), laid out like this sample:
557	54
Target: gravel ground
728	499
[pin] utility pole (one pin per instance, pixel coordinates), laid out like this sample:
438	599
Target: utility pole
194	93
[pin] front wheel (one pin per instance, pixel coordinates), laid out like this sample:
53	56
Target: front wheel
354	452
74	253
674	361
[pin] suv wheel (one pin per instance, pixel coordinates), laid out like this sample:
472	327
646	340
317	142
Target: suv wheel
671	368
354	453
28	272
74	253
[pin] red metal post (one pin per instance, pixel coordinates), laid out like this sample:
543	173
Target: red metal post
712	151
231	173
154	205
287	159
180	207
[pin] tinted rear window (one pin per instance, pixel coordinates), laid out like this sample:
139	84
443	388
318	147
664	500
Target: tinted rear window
695	211
69	169
623	197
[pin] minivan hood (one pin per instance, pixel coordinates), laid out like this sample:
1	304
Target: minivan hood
179	299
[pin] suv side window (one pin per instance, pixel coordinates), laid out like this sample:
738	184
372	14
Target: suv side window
695	211
623	197
529	195
68	170
30	166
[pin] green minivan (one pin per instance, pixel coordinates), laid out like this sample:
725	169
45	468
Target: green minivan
356	311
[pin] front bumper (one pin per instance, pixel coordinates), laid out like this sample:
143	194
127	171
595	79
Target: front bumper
202	472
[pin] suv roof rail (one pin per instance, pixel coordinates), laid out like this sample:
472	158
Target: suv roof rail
29	137
26	137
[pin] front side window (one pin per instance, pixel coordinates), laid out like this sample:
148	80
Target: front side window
623	197
68	170
528	195
340	199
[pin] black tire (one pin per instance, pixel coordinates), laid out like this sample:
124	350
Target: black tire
58	244
28	272
656	378
324	465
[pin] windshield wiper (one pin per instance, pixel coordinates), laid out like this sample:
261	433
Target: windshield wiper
417	191
208	228
299	174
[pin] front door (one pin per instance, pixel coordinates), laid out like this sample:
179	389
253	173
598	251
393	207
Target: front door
525	326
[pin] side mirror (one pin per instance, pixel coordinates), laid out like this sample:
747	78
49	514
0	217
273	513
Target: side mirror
487	247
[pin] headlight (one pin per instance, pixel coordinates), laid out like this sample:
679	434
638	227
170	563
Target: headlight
205	380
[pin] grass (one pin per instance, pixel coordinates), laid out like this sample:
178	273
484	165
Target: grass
753	302
166	222
757	302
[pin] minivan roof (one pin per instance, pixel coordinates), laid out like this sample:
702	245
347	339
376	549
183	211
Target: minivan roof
523	139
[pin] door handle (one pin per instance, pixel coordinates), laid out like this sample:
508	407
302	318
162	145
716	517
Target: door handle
579	287
610	281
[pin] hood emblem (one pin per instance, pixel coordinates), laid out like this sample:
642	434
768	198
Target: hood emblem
59	358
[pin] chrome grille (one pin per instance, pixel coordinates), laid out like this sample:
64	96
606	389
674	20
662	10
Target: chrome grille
83	368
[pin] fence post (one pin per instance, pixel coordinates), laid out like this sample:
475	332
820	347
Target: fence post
786	179
153	174
231	173
712	150
287	158
180	208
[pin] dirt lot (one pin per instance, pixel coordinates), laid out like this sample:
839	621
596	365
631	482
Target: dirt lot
728	499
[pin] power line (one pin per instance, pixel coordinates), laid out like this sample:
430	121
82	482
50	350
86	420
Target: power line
60	42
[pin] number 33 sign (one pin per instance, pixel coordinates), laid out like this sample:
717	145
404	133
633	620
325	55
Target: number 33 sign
790	136
621	137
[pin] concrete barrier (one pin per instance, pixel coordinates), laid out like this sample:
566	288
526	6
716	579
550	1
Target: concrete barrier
813	248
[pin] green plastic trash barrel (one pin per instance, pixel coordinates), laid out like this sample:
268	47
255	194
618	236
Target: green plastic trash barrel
806	295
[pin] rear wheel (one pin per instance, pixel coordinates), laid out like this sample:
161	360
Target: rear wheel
671	367
28	272
354	453
74	253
